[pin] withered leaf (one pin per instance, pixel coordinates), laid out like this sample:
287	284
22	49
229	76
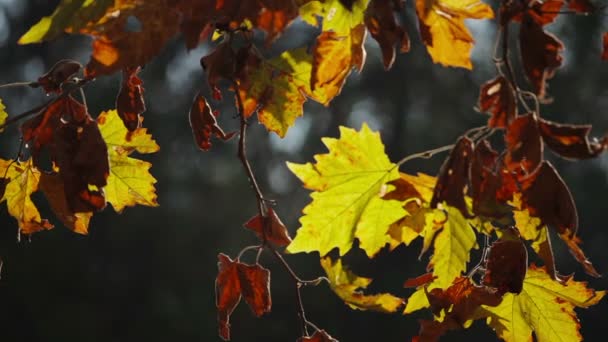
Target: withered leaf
61	72
381	24
130	102
506	263
498	98
204	124
235	279
605	46
540	54
219	64
270	227
571	141
318	336
524	145
453	177
54	190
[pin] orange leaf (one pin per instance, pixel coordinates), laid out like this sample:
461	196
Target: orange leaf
273	229
498	98
204	124
524	145
130	101
443	31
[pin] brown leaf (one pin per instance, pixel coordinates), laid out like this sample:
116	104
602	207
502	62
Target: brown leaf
459	302
204	124
524	145
453	177
605	46
273	229
540	53
573	242
571	141
61	72
381	24
498	98
581	6
506	263
219	64
130	101
318	336
403	190
235	279
53	188
542	12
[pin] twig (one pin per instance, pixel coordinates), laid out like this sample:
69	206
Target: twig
19	84
424	155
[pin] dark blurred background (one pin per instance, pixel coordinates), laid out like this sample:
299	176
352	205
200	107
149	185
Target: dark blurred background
148	274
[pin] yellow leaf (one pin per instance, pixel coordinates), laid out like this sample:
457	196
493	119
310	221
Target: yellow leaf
443	31
52	187
424	184
545	307
346	202
451	250
23	179
336	17
348	287
3	115
69	16
417	301
130	182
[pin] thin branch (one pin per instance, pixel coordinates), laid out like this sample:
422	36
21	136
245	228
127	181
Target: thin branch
424	155
19	84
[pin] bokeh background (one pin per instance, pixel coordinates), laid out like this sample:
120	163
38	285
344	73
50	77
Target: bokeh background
148	274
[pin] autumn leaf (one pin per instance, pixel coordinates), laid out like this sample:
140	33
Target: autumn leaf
381	24
130	101
443	31
69	16
544	307
451	249
349	287
506	263
524	145
234	280
498	98
53	189
3	116
270	228
346	202
605	46
204	124
571	141
60	73
336	15
130	181
21	180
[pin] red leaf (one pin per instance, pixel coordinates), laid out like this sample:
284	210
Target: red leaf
524	145
318	336
498	98
540	53
571	141
573	242
581	6
235	279
61	72
204	124
453	177
381	23
273	229
219	64
420	280
605	46
507	263
130	101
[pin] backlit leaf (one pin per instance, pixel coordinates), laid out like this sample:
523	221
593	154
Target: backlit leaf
524	145
270	228
443	31
130	181
3	116
346	202
381	23
571	141
130	101
498	98
337	17
204	124
349	287
22	180
545	307
506	263
54	190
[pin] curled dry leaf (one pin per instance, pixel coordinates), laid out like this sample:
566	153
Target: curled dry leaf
61	72
453	177
571	141
381	24
270	228
204	124
318	336
506	263
524	145
130	102
498	98
234	280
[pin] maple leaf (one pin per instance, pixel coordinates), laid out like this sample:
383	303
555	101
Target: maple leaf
69	16
381	23
3	116
234	280
130	181
443	31
336	16
318	336
346	202
348	286
21	180
498	98
544	307
273	231
451	248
